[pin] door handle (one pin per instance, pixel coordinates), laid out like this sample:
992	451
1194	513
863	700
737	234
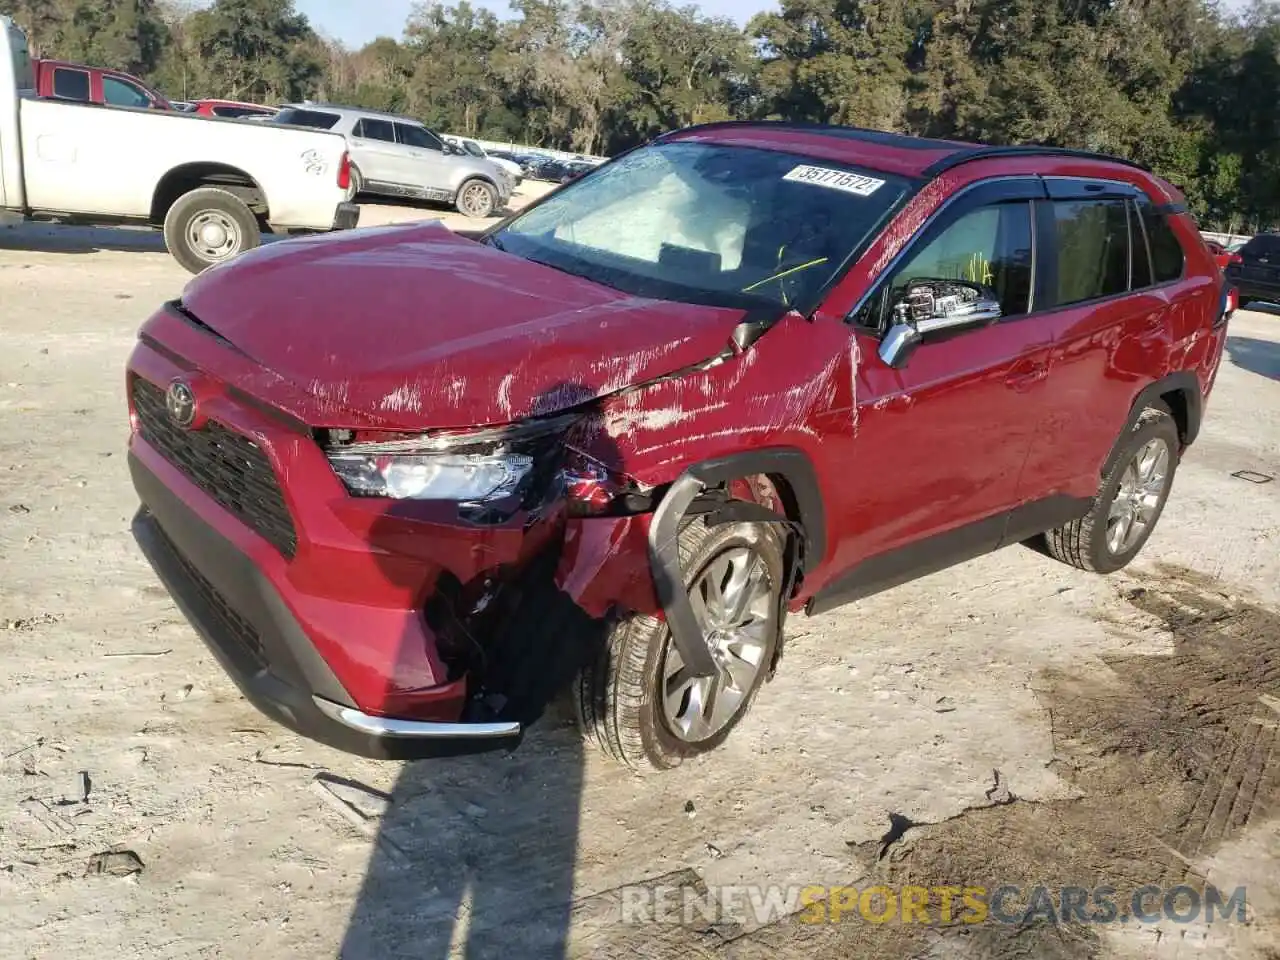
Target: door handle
1026	374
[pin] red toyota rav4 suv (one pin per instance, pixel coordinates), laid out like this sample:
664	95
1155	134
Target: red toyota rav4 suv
407	484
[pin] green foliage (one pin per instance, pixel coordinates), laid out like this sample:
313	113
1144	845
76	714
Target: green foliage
1180	85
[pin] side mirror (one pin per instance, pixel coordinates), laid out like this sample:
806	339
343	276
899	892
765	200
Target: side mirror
933	306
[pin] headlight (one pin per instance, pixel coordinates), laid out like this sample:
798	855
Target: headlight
462	477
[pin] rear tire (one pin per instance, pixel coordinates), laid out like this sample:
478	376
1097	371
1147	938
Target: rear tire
625	700
476	199
208	226
1130	498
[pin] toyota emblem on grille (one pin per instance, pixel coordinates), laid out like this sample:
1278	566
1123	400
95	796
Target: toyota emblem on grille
180	402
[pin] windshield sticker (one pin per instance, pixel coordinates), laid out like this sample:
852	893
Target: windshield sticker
835	179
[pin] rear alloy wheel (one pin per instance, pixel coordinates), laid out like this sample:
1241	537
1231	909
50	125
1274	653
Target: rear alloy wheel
1129	501
477	199
209	226
639	702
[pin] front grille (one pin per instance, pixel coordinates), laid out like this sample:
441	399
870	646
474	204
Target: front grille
234	627
226	465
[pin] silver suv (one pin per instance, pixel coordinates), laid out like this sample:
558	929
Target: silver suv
399	157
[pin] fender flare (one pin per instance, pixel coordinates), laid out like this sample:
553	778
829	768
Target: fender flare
1182	382
664	532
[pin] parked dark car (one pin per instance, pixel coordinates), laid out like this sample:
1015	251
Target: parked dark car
408	483
1256	269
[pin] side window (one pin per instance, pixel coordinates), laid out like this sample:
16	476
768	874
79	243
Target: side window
1140	255
121	93
71	84
1093	249
371	129
418	137
989	245
1166	252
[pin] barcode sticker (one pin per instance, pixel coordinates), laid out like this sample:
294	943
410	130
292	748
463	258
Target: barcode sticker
835	179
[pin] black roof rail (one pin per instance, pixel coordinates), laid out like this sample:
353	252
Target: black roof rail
939	167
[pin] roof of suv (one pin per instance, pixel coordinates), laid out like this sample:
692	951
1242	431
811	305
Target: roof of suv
349	112
890	152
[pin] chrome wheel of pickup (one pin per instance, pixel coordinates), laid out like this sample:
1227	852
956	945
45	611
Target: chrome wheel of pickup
733	601
213	235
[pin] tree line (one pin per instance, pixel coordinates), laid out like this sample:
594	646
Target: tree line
1188	87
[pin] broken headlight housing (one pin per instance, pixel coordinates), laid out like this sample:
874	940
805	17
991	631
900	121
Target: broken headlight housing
474	467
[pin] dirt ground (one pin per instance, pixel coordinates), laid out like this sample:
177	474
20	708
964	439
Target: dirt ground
1011	721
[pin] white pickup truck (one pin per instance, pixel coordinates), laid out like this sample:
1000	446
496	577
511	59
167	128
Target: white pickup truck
213	186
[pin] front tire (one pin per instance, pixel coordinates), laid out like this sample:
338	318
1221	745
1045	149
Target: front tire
1130	498
357	184
476	199
635	703
209	226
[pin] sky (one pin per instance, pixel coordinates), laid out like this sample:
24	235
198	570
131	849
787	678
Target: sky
355	24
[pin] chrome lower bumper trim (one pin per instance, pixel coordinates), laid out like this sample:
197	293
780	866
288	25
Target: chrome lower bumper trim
414	729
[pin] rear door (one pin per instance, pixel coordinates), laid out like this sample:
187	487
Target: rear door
1117	298
375	152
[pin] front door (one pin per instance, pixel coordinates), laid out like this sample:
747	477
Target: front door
941	440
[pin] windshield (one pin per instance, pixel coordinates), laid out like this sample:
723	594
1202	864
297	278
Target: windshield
707	223
472	148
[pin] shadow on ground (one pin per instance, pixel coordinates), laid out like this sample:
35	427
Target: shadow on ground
475	855
1257	356
67	238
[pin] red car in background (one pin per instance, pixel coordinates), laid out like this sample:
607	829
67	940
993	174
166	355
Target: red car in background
1221	255
76	81
231	109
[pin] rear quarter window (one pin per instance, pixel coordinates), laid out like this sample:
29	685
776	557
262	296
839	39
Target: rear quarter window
71	84
1167	256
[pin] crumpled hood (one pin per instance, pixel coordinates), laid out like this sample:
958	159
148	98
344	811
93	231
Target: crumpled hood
414	327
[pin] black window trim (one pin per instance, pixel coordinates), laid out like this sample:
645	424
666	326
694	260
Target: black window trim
981	193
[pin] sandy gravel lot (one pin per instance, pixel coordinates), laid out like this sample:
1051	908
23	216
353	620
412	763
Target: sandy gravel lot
1008	721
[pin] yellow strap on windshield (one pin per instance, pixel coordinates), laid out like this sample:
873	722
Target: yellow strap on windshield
784	273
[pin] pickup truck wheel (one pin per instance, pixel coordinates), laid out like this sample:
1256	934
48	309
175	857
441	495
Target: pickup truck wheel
1130	499
639	704
476	199
208	226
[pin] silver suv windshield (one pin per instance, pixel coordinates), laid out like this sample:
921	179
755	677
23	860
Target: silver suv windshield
708	223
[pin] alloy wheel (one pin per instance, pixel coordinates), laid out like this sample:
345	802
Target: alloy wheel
1142	485
733	602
